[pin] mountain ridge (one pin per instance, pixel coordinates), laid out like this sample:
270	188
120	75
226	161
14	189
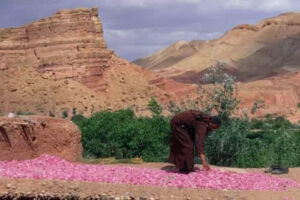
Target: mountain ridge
236	44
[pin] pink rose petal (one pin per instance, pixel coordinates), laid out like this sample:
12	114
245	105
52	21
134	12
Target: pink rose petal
50	167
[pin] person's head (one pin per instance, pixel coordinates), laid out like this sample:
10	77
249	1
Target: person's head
214	123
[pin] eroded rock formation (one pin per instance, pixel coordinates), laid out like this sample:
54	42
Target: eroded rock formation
61	62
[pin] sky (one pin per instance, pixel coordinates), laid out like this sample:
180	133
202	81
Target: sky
138	28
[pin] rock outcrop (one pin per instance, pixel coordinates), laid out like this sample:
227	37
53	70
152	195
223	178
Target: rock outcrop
61	63
28	137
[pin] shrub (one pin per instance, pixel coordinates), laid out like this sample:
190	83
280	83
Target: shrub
121	134
258	143
223	96
257	105
154	107
224	145
65	114
79	120
74	111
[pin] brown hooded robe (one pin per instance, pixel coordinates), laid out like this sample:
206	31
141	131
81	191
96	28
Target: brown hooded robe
188	128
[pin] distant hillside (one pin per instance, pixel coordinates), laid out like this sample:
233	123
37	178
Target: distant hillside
171	55
250	51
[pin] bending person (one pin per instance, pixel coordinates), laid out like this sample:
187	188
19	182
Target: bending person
189	129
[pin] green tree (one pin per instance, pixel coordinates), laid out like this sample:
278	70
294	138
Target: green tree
222	96
154	107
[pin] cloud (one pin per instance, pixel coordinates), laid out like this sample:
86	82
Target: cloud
275	5
259	4
136	28
238	4
147	3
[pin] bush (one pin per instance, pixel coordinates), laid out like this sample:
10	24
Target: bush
258	143
79	120
154	107
121	134
65	114
74	111
223	96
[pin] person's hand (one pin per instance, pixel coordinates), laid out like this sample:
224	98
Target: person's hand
206	167
204	163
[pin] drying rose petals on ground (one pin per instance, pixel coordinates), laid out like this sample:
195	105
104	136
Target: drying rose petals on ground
50	167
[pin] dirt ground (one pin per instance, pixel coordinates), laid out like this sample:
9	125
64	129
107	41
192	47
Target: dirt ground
92	190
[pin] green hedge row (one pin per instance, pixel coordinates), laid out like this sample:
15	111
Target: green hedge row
239	142
123	135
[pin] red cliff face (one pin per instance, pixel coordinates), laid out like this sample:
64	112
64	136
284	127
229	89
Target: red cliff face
61	62
67	45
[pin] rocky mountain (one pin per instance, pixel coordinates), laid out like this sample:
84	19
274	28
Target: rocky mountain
171	55
61	63
249	51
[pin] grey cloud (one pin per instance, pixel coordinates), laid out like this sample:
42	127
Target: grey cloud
136	28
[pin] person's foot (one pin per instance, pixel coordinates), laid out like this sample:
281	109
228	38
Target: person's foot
185	171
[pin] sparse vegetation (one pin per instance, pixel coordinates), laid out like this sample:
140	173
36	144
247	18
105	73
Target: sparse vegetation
25	113
74	111
65	114
154	107
258	104
298	105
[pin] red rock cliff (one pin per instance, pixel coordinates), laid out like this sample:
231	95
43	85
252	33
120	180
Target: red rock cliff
61	62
